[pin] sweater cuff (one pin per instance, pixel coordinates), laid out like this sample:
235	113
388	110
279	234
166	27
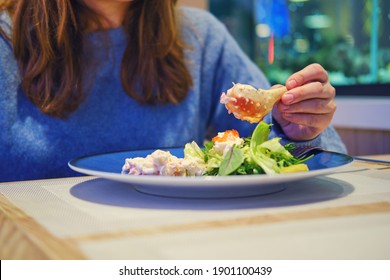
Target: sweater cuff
328	140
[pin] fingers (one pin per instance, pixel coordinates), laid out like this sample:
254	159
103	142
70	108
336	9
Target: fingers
277	86
309	105
307	108
313	90
315	106
313	72
300	126
313	121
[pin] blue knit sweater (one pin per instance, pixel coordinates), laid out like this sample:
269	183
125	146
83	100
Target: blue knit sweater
34	145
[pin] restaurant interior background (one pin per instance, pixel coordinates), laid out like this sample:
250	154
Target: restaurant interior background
350	38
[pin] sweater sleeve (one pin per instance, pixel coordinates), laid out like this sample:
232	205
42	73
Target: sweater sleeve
9	84
224	63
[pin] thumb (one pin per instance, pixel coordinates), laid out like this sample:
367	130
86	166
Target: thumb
277	116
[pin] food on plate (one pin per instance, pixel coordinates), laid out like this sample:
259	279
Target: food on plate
226	154
250	104
164	163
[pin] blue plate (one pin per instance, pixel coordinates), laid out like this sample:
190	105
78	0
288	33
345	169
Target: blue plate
109	166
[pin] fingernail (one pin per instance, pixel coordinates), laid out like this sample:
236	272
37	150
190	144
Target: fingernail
291	84
287	98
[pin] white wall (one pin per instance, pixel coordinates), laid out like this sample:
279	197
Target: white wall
363	113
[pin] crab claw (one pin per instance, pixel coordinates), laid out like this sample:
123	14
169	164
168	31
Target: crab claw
250	104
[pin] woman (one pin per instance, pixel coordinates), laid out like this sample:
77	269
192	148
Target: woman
80	77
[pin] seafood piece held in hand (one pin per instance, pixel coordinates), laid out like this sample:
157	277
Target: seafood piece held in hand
250	104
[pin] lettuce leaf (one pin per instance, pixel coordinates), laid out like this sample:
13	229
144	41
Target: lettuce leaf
270	154
231	161
192	150
256	155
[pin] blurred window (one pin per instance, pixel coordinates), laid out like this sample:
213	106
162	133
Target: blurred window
350	38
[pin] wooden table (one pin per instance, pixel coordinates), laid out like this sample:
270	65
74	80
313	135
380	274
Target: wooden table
345	215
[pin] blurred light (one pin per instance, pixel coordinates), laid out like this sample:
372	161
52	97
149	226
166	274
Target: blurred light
263	30
301	45
318	21
296	1
271	49
292	7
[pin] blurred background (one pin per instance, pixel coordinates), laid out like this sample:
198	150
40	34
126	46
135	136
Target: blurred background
350	38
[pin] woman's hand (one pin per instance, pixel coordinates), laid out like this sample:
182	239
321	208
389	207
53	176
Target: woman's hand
307	108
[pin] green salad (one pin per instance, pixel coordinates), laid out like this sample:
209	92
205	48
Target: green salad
228	154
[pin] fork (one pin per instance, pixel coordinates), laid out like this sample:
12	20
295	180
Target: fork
301	151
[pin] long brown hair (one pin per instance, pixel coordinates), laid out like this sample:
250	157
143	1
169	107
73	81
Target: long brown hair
47	40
